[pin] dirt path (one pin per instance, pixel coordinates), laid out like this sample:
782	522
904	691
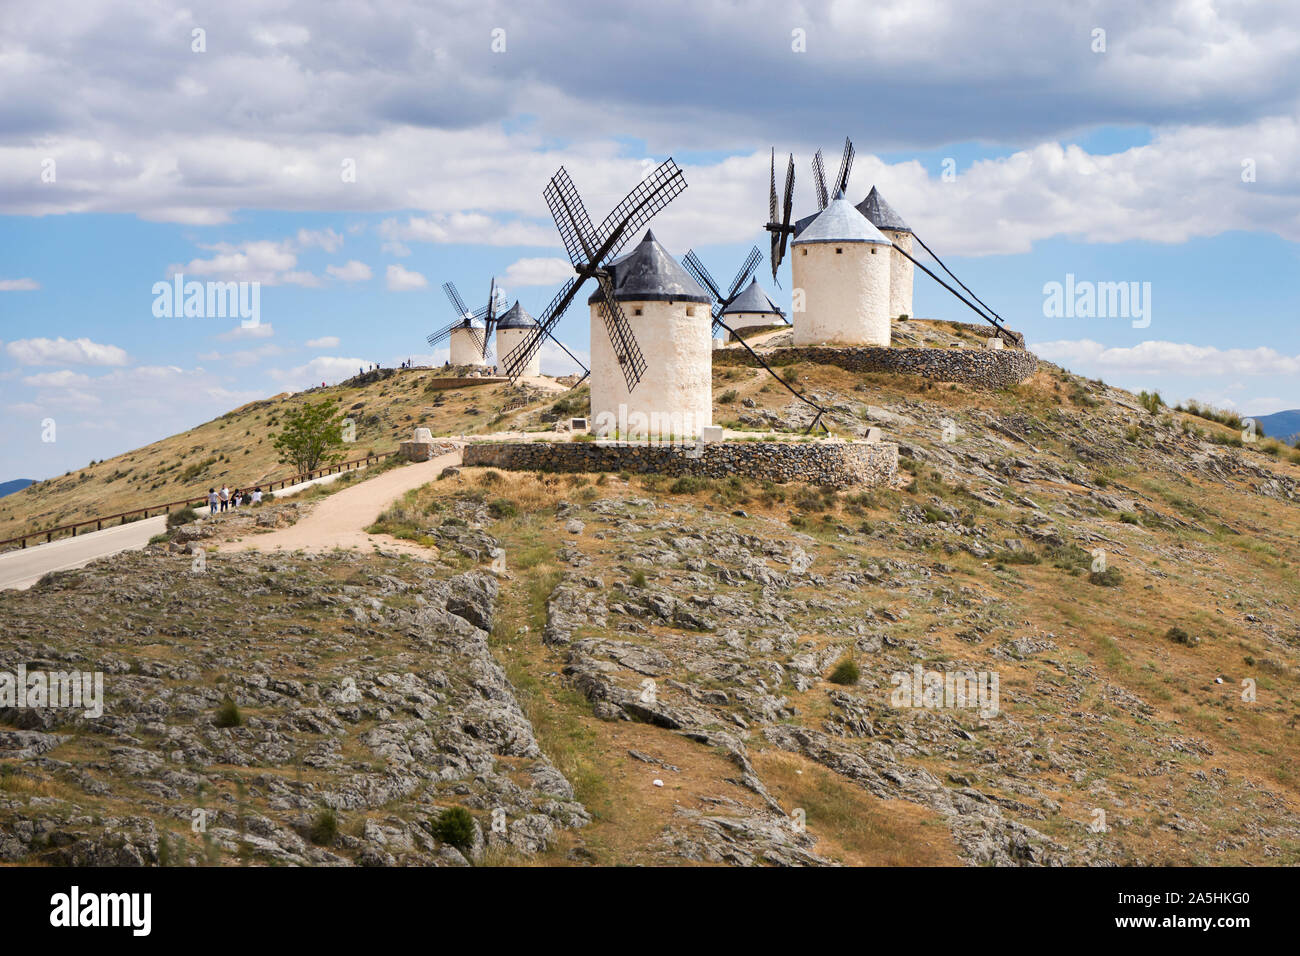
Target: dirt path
338	521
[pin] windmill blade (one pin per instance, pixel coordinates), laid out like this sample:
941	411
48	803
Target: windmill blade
780	236
700	274
478	338
652	194
789	195
570	217
519	357
819	180
626	349
456	301
489	317
444	332
771	203
746	270
846	166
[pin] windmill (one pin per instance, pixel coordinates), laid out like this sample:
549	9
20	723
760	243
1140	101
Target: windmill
591	250
476	326
720	303
838	188
780	229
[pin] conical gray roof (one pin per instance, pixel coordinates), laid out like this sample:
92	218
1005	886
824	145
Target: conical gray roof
881	214
840	222
516	317
753	299
649	274
471	322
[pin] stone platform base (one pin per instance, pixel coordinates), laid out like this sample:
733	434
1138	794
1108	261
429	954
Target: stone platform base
425	450
982	368
837	464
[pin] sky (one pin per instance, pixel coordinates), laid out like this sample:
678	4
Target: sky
350	157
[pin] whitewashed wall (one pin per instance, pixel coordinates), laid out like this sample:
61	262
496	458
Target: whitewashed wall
900	275
464	350
845	294
506	341
677	385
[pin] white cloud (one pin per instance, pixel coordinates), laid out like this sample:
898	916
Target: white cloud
62	379
1158	357
64	351
326	239
555	362
351	271
263	330
403	280
286	101
541	270
244	357
325	342
323	368
467	228
19	285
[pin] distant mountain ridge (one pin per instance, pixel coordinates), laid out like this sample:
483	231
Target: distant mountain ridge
1284	426
18	484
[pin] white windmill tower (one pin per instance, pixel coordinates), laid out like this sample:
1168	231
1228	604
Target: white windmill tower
901	273
671	318
512	328
752	309
468	338
841	273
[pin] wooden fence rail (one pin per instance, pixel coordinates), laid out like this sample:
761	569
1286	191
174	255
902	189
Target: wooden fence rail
121	517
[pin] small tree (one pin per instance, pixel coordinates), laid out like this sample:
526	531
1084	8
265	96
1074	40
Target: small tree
310	436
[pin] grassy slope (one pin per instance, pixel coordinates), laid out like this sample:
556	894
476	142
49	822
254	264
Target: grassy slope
236	449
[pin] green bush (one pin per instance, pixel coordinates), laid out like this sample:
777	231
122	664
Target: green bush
638	578
182	516
846	672
688	485
1016	557
228	714
1110	578
728	397
455	827
1179	636
501	508
324	827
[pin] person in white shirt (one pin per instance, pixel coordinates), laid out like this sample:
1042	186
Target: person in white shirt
225	497
257	496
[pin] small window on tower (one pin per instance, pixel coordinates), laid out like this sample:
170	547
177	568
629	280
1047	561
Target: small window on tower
839	251
804	251
873	250
636	311
690	310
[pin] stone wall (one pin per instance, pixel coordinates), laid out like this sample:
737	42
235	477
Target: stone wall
983	368
426	450
838	464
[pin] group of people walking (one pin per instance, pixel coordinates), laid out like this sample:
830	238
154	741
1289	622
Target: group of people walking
225	498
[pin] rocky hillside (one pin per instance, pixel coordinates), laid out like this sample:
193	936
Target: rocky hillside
624	669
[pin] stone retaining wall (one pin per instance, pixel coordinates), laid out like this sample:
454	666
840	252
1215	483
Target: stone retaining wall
837	464
983	368
426	450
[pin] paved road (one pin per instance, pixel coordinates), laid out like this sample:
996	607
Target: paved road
22	568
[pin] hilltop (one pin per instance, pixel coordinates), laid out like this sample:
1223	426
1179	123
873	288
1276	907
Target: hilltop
236	448
1126	570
